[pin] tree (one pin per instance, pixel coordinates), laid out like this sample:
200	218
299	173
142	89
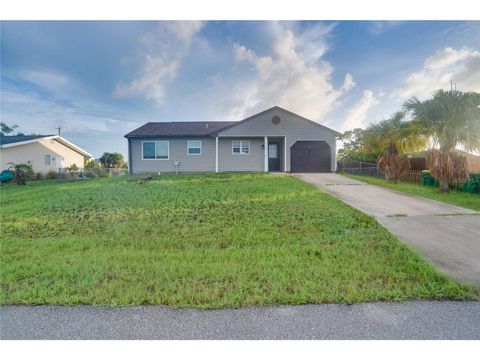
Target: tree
450	119
112	160
354	147
393	138
91	164
6	129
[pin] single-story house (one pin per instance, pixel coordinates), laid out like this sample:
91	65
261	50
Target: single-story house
273	140
43	152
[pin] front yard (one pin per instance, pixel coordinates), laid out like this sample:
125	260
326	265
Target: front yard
204	241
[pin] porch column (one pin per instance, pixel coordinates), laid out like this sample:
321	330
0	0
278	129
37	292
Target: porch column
265	154
216	154
285	154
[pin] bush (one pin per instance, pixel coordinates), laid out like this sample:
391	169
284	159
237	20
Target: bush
51	175
90	174
39	176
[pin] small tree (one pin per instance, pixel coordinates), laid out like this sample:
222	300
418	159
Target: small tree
112	160
91	164
21	172
354	147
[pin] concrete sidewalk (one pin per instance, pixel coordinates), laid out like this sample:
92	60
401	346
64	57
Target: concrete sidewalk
447	235
405	320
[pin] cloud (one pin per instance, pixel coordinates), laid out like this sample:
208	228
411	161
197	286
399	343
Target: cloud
163	50
357	115
40	115
47	79
293	76
378	27
446	65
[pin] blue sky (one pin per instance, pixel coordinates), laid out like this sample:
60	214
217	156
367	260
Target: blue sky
100	80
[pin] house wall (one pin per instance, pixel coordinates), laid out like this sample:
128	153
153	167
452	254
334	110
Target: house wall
230	162
177	151
61	156
293	127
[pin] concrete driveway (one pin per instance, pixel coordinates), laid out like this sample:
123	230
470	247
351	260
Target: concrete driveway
447	235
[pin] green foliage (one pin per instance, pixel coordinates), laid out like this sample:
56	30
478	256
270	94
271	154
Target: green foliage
39	176
203	241
51	175
72	168
112	160
91	164
8	129
451	118
394	135
354	148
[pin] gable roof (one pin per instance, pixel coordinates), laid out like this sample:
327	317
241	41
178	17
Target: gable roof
5	139
17	140
179	128
203	128
235	123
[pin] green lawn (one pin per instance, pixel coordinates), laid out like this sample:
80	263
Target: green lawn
204	241
469	201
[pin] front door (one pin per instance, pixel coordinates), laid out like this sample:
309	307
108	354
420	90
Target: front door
273	158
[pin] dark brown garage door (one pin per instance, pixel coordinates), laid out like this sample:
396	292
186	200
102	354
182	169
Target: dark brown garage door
310	156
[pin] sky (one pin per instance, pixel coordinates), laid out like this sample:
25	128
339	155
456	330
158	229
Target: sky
99	80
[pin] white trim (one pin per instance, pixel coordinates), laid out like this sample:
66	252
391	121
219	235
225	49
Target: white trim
265	152
60	139
285	153
241	146
188	147
155	141
216	154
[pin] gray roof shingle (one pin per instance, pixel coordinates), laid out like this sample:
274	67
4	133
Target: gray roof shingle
6	139
179	128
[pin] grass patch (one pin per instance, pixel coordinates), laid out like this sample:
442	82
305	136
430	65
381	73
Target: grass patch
466	200
203	241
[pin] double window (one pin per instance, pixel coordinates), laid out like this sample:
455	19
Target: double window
155	150
241	147
194	147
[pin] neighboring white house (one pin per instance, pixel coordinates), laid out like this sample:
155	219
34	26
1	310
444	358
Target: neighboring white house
43	152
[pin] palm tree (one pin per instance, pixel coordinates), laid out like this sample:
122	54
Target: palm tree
393	138
450	119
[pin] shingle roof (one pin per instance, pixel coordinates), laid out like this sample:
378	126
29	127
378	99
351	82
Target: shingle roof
184	128
4	140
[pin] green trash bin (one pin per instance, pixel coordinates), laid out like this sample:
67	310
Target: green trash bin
427	178
472	185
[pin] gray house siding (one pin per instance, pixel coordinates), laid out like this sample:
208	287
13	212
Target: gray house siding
230	162
177	152
293	127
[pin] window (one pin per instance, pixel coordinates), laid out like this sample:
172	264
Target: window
47	160
155	150
194	147
241	147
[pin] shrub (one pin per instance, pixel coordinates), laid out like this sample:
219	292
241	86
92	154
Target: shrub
39	176
51	175
21	172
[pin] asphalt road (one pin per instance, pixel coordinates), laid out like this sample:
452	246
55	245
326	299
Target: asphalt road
404	320
447	235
